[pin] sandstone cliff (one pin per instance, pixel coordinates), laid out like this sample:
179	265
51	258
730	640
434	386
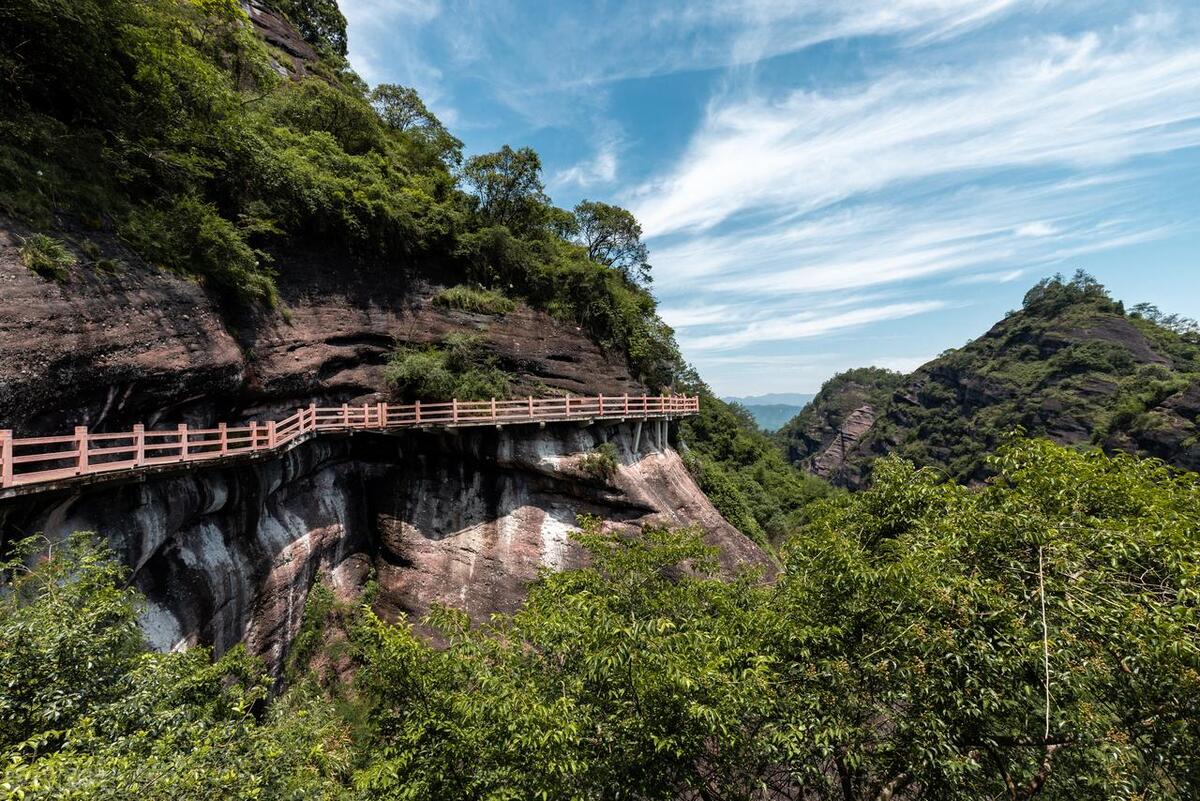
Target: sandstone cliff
228	554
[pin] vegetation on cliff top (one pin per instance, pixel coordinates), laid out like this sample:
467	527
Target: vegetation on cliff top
1036	637
1072	364
169	121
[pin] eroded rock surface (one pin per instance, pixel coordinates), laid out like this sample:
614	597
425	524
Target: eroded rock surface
146	346
228	554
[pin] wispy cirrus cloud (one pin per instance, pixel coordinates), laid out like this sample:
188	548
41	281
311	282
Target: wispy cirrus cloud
1076	102
599	170
806	324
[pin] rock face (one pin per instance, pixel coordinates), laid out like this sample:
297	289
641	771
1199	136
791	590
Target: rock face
145	346
228	554
821	438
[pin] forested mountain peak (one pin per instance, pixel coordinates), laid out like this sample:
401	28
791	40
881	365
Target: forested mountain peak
1072	364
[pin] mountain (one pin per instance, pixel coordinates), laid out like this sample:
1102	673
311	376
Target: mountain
1071	365
771	399
772	410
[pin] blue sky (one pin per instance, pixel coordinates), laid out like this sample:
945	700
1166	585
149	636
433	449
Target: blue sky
831	184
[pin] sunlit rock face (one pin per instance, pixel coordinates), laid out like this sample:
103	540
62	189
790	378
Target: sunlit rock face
228	554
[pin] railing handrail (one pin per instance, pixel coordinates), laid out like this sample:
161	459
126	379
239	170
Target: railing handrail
84	453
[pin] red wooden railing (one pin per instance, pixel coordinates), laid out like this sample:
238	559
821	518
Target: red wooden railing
34	460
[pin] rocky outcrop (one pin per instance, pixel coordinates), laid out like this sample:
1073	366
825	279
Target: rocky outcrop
820	438
143	346
830	459
227	554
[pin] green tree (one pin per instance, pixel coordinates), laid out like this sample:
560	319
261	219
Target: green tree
87	713
613	237
404	112
320	22
509	189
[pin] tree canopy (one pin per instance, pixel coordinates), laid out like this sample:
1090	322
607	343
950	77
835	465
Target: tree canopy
1038	637
613	237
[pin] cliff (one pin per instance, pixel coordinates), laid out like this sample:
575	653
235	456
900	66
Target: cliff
108	350
228	554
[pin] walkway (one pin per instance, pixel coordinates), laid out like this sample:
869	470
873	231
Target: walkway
35	463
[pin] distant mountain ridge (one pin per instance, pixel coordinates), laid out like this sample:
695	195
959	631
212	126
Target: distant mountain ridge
1072	365
773	410
771	398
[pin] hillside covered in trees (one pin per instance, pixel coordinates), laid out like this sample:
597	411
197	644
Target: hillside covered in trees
1072	364
172	132
1034	638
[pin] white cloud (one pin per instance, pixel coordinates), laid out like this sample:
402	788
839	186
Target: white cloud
807	324
1073	103
1037	228
901	364
599	170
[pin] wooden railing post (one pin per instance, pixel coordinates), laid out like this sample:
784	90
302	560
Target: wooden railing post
81	447
253	436
270	434
312	416
600	405
382	412
223	435
183	442
568	404
417	413
345	415
366	414
6	457
454	409
493	410
139	444
531	407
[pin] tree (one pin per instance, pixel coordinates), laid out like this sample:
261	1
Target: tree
613	237
320	22
508	185
402	110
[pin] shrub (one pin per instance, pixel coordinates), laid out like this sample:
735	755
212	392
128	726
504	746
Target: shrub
600	463
47	257
459	367
190	236
472	299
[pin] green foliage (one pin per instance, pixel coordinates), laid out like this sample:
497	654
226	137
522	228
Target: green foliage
822	420
600	463
47	257
320	22
508	187
474	299
86	713
1038	636
903	651
613	237
165	120
401	109
1071	364
1050	296
190	236
615	681
460	367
